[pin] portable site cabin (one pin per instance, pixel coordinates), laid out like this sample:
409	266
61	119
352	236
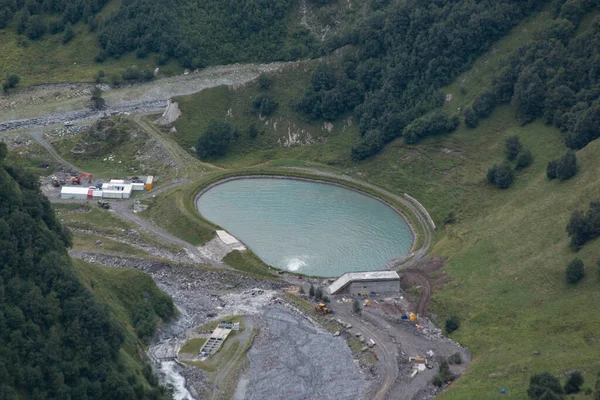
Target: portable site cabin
79	193
116	190
134	185
74	192
149	182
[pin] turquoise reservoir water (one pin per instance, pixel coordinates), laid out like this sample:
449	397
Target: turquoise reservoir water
307	227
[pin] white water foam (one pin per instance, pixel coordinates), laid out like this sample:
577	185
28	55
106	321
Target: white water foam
175	379
294	264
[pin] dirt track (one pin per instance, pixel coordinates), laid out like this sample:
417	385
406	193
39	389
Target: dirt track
418	278
243	339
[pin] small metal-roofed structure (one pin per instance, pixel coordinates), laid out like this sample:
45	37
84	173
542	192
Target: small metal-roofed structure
366	282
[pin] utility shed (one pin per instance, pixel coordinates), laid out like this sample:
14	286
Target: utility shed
354	283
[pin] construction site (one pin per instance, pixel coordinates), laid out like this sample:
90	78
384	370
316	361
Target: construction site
390	343
113	189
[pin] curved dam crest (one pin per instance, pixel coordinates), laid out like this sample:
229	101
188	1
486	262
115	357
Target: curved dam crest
308	227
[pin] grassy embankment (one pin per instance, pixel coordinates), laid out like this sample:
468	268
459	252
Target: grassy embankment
507	252
122	290
104	223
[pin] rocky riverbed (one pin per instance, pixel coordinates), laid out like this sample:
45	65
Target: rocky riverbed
292	358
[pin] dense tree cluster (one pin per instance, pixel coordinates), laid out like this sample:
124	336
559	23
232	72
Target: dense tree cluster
203	32
583	227
10	82
144	314
575	271
265	104
524	160
545	386
436	123
574	382
405	51
96	100
564	168
35	17
215	141
500	175
452	324
512	147
321	3
555	77
331	93
56	341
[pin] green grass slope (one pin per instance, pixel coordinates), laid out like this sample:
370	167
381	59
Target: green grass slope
135	301
235	106
71	62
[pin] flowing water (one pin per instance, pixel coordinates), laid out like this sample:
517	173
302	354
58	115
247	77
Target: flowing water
308	227
174	378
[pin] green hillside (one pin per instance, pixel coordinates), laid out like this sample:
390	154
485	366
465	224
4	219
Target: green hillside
56	339
132	297
77	39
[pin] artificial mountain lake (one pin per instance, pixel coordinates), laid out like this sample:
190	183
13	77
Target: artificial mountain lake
308	227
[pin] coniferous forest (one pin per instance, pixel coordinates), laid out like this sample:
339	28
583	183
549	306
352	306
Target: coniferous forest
56	340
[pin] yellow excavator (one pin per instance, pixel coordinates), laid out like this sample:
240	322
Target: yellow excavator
412	317
55	181
321	308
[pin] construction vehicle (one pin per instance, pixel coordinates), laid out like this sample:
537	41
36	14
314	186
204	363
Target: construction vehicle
103	204
367	303
76	180
322	309
55	181
412	317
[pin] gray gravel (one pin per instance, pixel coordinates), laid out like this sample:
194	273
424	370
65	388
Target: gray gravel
309	364
196	291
